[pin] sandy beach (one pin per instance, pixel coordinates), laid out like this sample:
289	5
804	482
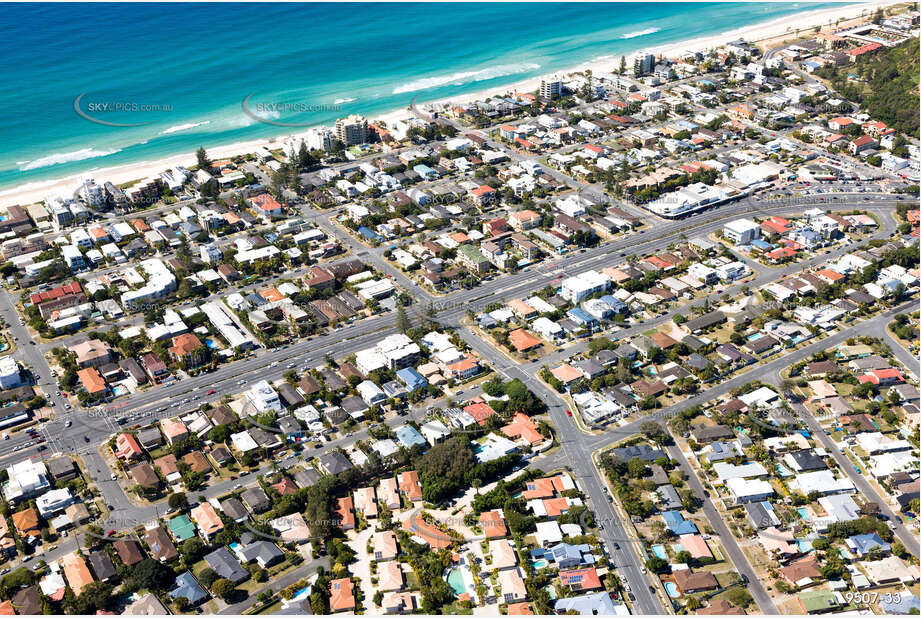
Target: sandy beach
767	34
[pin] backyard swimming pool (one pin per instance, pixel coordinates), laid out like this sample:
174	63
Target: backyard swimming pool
672	590
460	578
659	552
803	513
539	564
455	579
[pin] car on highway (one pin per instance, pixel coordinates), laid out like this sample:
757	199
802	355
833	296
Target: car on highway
568	412
211	392
68	423
113	477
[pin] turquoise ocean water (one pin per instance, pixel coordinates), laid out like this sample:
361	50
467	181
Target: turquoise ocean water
198	62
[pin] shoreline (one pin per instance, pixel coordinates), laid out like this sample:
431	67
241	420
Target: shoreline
775	29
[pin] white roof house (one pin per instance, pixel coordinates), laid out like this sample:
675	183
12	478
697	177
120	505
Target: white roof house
884	465
243	442
725	471
876	442
762	397
546	328
749	490
823	482
434	431
840	507
370	392
548	533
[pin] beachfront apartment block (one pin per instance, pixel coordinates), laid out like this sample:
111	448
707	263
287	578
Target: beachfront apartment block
352	130
643	64
551	87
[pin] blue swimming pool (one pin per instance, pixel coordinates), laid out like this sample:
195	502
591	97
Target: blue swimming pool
301	594
804	545
455	579
755	336
782	471
803	513
659	552
672	590
539	564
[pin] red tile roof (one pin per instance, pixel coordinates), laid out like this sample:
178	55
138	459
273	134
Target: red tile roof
91	380
58	292
480	411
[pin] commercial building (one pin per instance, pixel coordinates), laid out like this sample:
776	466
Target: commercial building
264	397
741	231
583	285
9	373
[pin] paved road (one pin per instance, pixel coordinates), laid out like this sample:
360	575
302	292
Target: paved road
627	559
859	480
366	332
736	555
91	431
905	357
304	570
